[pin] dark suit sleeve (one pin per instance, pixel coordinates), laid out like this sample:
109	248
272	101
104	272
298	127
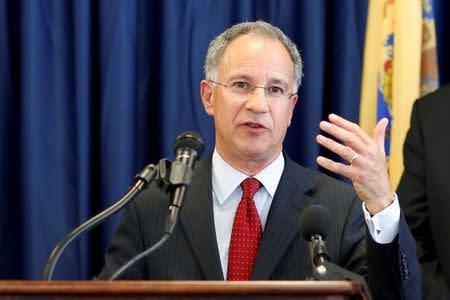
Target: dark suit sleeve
414	202
126	244
391	270
394	271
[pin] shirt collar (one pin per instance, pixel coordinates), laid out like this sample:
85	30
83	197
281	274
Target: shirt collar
225	178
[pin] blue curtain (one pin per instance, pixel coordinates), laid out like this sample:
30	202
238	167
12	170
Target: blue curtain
92	91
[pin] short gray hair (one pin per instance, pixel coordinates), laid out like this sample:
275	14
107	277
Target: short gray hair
218	45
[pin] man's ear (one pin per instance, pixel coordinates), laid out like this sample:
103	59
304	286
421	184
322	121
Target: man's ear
292	106
206	95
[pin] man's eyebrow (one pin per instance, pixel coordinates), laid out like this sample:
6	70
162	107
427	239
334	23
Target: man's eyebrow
277	81
240	76
250	78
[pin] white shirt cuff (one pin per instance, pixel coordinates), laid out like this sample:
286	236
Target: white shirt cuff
384	226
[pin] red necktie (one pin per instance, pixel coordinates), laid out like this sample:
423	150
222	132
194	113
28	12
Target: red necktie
246	234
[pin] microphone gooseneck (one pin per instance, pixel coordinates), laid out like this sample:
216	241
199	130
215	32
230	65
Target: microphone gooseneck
142	180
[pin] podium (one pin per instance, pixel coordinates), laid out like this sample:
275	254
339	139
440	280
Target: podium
174	290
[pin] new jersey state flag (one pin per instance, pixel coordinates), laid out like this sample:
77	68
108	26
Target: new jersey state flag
400	65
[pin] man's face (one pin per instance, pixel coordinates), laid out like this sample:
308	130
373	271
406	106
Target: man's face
250	128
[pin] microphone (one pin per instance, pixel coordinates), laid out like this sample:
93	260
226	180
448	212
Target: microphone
314	225
188	147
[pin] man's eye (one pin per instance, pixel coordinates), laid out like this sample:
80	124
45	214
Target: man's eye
240	85
275	90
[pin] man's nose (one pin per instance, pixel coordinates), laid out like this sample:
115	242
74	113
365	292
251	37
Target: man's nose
257	100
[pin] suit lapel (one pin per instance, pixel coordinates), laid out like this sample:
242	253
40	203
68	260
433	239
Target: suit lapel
283	221
196	217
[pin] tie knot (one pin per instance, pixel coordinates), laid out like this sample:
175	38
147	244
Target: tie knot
250	186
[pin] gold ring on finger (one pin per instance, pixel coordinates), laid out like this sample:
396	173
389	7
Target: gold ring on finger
355	156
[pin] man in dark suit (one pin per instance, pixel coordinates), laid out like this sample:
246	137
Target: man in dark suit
424	189
249	187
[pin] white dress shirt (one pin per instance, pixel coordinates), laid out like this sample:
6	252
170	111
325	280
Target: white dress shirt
227	194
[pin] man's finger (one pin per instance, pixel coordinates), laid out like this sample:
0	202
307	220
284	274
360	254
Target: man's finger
334	167
346	137
343	151
379	133
350	126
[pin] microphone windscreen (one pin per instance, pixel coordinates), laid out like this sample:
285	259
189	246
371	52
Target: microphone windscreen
191	140
314	220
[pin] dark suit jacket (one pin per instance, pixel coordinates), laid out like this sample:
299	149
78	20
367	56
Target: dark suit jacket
192	252
424	189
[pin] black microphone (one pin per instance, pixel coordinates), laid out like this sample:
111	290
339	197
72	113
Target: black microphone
314	225
188	147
